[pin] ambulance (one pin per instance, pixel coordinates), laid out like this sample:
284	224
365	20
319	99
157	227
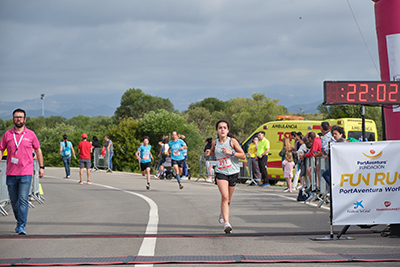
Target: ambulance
275	131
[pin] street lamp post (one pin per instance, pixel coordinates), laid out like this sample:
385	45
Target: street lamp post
42	97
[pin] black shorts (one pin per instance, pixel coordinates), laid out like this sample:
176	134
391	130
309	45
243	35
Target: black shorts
144	166
232	179
178	162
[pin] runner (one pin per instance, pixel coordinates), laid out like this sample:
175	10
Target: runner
176	147
227	151
145	159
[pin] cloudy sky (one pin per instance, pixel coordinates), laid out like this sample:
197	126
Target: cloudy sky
184	50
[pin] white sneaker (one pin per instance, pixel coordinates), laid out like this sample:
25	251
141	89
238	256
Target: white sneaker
227	228
221	219
286	190
184	178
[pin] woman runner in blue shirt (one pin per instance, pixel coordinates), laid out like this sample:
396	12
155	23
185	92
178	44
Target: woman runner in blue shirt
227	151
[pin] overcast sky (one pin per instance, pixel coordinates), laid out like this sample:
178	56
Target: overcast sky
184	50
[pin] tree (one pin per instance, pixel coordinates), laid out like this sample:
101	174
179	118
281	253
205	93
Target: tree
135	103
202	118
211	104
82	123
125	142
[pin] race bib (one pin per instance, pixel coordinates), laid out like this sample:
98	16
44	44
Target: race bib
146	157
224	163
177	153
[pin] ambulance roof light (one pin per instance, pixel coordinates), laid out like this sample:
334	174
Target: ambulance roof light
288	117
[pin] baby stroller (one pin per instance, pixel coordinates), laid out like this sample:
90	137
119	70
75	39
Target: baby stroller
168	170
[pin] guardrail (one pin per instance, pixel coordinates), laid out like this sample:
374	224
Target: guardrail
316	185
99	161
5	203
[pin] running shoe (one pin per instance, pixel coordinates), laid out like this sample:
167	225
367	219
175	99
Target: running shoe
184	178
148	186
286	190
227	228
180	186
68	177
89	182
264	185
80	182
221	219
17	229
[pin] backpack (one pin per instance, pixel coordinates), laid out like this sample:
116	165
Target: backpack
66	151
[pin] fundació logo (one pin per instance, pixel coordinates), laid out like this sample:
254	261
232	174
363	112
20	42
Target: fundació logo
371	154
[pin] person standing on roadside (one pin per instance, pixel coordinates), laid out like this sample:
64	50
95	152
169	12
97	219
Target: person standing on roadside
110	149
262	157
84	150
228	151
20	142
176	147
145	159
65	149
254	162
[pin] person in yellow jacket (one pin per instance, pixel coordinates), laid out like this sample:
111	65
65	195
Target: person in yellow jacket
254	162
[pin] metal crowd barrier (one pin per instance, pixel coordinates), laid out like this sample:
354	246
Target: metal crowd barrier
318	187
5	204
203	167
99	161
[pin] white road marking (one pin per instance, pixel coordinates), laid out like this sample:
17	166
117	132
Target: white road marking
149	243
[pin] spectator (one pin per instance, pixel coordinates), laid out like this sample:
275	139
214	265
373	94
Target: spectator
254	162
110	149
315	147
326	139
287	148
65	150
84	150
288	166
297	146
95	142
301	162
338	135
262	157
208	158
20	142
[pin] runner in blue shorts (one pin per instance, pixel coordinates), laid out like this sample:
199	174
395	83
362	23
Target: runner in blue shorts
228	152
145	159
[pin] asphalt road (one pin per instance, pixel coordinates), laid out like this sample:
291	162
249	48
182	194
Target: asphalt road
117	216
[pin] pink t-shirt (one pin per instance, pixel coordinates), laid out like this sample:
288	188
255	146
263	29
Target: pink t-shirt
287	168
24	154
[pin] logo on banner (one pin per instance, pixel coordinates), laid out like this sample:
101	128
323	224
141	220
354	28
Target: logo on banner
358	208
387	204
372	154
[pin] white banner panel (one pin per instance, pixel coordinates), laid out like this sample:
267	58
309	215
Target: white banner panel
365	183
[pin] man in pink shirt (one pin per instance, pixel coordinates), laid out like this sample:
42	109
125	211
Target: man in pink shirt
84	149
20	142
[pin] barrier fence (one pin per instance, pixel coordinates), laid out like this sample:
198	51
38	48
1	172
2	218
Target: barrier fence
316	184
100	161
5	204
246	170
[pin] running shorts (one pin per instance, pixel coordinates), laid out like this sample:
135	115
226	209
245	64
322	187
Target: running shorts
144	166
232	179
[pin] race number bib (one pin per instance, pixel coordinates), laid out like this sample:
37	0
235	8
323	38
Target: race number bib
224	163
146	157
177	153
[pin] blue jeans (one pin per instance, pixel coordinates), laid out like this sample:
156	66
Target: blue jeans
327	176
18	190
67	163
110	160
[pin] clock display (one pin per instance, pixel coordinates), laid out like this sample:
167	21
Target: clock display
361	93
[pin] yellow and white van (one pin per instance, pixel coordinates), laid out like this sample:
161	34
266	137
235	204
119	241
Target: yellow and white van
284	125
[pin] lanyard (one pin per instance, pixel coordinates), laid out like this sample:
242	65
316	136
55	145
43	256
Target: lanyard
17	144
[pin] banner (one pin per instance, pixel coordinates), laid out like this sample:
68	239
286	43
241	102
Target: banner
365	183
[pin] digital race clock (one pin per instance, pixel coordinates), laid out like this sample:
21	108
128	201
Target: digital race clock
361	93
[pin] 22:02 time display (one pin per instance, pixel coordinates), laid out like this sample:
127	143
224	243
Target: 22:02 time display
361	93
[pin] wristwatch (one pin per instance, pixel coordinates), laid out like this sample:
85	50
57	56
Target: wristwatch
42	167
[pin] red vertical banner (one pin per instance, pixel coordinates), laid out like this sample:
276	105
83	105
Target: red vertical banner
387	20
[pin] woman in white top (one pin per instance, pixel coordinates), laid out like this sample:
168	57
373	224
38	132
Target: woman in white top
227	151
